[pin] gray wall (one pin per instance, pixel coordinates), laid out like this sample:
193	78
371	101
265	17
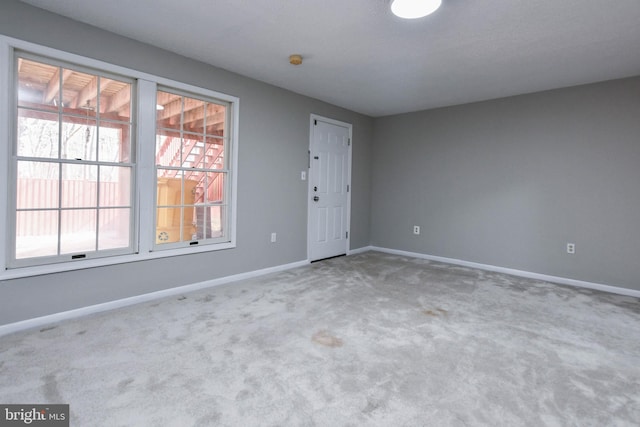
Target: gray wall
506	182
509	182
273	138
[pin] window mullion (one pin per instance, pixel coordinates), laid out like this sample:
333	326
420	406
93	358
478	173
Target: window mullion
146	179
7	160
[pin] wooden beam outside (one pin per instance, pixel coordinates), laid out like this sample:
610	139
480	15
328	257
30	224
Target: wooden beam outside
89	92
53	87
118	100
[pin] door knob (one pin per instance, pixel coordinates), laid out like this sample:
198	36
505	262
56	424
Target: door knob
316	198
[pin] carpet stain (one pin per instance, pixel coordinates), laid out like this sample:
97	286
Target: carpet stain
326	339
50	328
122	385
438	312
371	406
243	395
81	332
50	388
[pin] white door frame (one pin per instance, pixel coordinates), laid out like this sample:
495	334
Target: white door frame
349	126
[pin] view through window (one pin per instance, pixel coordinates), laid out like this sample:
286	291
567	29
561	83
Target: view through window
74	162
191	169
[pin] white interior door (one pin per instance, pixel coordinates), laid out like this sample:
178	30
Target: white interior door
329	186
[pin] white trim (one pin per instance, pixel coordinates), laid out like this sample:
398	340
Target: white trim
125	302
16	273
360	250
145	157
312	118
520	273
6	57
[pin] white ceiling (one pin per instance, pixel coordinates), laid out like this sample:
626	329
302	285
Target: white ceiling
359	56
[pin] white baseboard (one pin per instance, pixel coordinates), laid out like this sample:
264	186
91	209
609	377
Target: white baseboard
124	302
112	305
527	274
359	250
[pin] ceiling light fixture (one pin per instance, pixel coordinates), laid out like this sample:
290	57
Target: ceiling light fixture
412	9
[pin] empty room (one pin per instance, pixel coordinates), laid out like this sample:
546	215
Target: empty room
336	213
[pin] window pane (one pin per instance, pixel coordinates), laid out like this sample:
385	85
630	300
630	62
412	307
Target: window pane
36	234
169	191
114	228
115	186
192	151
115	100
193	118
171	222
115	142
169	111
79	186
38	85
216	119
79	91
78	231
168	148
40	170
37	134
209	221
215	153
37	185
78	138
214	185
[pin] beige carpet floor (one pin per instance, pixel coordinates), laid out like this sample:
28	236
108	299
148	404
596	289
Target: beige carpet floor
366	340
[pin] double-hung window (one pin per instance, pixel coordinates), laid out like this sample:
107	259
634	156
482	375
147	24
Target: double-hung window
74	163
104	164
191	168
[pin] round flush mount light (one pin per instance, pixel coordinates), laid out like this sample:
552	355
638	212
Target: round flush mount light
412	9
295	59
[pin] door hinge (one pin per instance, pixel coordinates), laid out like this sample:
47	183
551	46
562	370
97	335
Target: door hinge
347	188
309	159
349	142
346	235
315	123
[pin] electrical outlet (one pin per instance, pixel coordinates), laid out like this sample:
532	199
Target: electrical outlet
416	230
274	237
571	248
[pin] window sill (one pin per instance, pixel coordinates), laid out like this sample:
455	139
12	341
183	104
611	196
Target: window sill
21	272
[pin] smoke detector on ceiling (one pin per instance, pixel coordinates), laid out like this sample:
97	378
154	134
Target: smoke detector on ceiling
295	59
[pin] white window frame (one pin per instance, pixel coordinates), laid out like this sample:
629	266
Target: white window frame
145	117
90	254
226	171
